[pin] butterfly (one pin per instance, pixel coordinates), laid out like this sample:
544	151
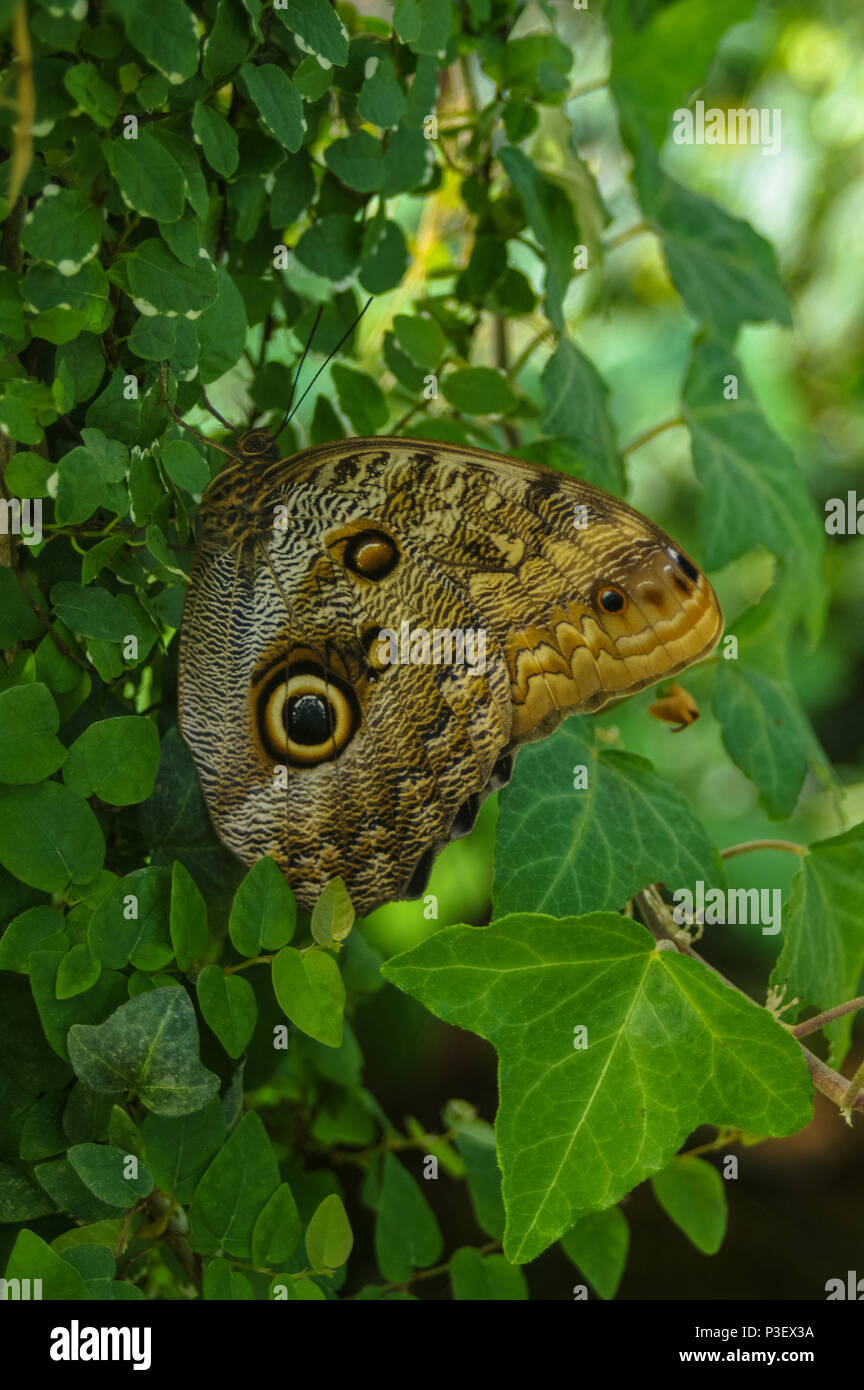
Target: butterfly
319	740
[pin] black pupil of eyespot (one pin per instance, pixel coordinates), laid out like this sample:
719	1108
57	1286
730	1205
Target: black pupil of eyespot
307	719
611	601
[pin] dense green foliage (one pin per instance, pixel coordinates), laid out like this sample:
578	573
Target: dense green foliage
181	1082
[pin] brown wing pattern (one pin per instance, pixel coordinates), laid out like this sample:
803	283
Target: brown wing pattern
314	749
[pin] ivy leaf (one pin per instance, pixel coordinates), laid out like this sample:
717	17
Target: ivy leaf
164	33
228	1005
101	1168
159	283
598	1244
277	1229
130	924
333	914
331	246
422	338
217	139
561	849
185	465
328	1236
278	103
233	1191
823	931
319	26
188	917
485	1277
148	176
179	1147
692	1194
407	1236
62	229
264	910
575	405
115	759
551	217
29	720
725	272
31	1258
381	100
147	1048
357	160
93	95
94	612
49	837
478	391
310	992
361	398
669	1047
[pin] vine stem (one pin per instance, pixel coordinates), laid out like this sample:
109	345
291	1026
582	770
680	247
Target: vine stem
652	434
789	845
813	1025
824	1078
620	239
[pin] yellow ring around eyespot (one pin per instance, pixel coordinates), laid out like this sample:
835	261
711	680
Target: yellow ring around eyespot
275	731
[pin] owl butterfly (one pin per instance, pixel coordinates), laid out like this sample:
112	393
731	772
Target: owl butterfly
313	744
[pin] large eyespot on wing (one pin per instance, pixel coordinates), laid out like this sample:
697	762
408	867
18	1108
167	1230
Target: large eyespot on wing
304	713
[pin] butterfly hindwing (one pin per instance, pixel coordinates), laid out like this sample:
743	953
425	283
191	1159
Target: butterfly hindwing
338	753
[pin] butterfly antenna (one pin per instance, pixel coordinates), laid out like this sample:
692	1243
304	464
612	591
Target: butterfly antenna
287	416
345	336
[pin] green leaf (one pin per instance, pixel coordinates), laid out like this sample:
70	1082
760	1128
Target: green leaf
164	33
115	759
29	722
188	917
227	1003
667	1046
385	257
765	731
148	1048
185	465
562	850
228	42
277	102
754	493
102	1169
31	1259
406	1232
131	922
357	160
264	910
233	1191
724	271
319	26
424	25
381	100
58	1015
310	992
160	283
94	96
598	1244
478	391
476	1144
656	66
77	972
277	1229
149	178
222	330
37	929
333	914
551	217
63	229
575	405
691	1193
49	836
328	1236
331	246
361	398
422	338
179	1147
217	139
489	1278
823	931
94	612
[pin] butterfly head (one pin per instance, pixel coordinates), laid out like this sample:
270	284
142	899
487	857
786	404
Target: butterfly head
257	446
